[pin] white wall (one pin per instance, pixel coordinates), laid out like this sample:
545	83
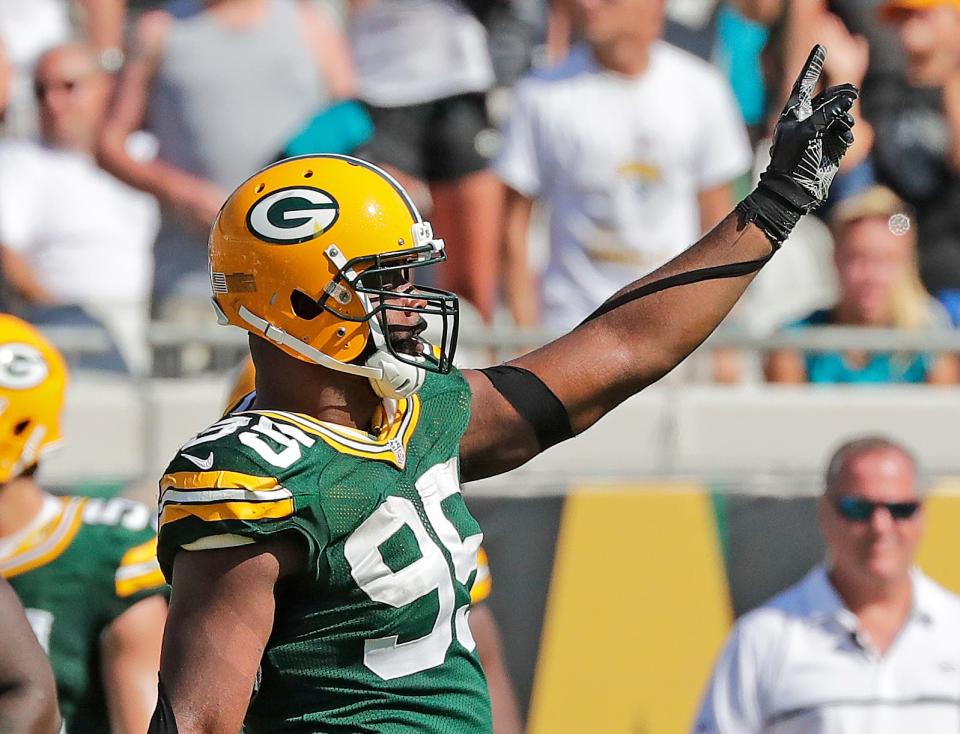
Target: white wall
116	429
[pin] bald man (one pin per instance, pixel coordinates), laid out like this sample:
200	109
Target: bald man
865	642
95	253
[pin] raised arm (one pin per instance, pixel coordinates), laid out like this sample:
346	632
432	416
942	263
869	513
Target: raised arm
197	198
28	696
221	615
520	282
330	49
632	341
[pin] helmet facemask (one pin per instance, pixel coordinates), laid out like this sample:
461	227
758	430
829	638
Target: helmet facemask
383	282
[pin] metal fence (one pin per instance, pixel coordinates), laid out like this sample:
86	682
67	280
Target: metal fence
184	350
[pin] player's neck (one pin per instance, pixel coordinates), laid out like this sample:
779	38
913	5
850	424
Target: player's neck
286	383
352	404
21	500
324	394
628	57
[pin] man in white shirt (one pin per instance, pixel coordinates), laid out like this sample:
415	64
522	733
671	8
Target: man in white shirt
72	233
631	143
864	643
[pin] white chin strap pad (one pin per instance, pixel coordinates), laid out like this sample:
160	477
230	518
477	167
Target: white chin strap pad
400	379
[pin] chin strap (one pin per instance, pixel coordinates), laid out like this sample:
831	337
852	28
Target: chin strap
279	336
389	377
399	379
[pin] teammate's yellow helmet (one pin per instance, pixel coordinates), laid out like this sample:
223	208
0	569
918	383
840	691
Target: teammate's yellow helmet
33	378
306	253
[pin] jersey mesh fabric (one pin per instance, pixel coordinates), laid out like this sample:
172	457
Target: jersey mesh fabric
315	673
77	593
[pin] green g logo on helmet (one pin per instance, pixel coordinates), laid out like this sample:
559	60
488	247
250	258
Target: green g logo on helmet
21	366
292	215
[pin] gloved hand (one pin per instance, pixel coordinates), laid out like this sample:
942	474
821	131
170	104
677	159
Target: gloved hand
812	135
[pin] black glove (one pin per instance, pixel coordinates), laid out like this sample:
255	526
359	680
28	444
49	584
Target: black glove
812	135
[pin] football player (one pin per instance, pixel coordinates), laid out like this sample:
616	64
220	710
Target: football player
483	625
318	545
28	696
84	569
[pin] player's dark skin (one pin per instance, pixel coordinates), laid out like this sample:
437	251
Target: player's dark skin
209	673
28	695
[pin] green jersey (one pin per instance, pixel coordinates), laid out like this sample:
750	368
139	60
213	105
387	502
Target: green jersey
77	568
373	635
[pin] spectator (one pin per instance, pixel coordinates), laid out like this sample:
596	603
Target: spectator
424	69
865	642
85	569
28	698
918	144
95	251
4	98
878	287
632	144
5	80
222	84
30	29
802	277
803	22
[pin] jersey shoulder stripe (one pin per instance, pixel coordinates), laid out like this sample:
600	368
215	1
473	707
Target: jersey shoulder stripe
139	570
49	542
482	583
245	476
222	495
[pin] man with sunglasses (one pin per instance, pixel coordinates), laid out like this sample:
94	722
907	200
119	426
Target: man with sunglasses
865	642
76	242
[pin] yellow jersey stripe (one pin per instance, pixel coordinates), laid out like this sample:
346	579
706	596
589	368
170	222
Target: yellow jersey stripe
411	419
353	439
205	480
481	590
133	578
384	431
228	511
63	530
483	582
143	553
352	443
131	586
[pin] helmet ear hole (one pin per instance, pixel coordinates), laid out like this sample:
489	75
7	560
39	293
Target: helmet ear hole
21	427
304	306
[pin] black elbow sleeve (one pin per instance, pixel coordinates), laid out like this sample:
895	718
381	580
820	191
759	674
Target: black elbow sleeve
533	400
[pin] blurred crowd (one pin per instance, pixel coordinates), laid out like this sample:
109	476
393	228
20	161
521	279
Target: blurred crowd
562	148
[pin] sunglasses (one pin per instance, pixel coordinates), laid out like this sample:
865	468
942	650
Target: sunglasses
41	89
857	509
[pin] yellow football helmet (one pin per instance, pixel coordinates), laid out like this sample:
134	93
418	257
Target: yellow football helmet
307	253
33	378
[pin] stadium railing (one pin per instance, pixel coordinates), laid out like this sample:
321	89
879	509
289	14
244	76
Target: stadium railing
750	432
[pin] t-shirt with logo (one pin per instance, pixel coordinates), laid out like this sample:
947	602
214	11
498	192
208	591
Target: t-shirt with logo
619	161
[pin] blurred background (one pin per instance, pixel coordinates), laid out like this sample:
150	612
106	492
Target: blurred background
554	180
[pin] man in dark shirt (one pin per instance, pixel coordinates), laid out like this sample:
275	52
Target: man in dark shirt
917	148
